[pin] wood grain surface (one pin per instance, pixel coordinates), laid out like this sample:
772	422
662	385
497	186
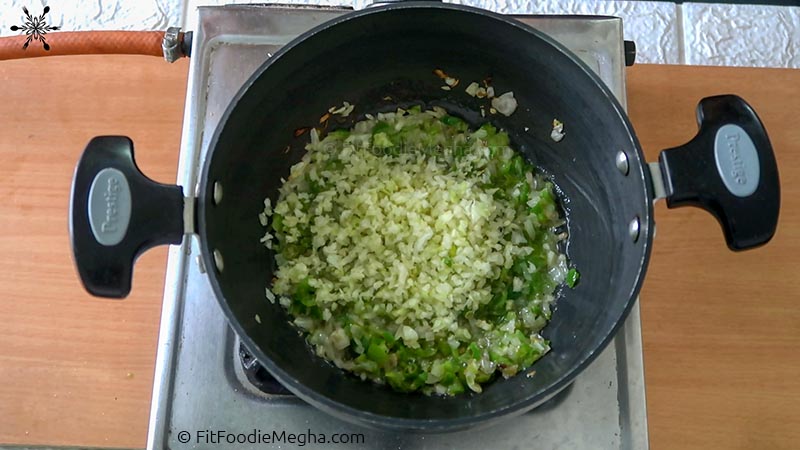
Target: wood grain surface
76	370
721	330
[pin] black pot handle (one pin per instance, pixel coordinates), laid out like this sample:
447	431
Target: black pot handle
116	213
728	169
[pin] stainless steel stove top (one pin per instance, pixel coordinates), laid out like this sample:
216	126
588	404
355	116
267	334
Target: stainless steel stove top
201	386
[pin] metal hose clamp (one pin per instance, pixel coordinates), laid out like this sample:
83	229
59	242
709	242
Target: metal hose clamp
171	45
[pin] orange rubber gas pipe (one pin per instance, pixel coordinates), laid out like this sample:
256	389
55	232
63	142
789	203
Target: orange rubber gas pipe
86	43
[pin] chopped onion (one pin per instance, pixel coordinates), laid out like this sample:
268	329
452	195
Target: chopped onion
472	89
383	246
505	104
344	110
558	131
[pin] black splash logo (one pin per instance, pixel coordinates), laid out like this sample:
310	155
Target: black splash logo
35	27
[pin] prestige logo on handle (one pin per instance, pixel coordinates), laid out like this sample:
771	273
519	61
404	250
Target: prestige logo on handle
109	206
737	160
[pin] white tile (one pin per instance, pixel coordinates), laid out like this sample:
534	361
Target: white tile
652	25
741	35
75	15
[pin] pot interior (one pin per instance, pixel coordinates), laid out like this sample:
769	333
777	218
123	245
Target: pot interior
393	51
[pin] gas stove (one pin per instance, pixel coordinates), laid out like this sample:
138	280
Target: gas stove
209	392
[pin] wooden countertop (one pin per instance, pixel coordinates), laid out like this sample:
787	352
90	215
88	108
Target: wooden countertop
721	330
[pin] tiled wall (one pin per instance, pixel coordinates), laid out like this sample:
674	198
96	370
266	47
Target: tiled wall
74	15
744	35
665	32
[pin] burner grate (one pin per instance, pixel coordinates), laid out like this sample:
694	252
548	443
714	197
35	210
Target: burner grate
258	376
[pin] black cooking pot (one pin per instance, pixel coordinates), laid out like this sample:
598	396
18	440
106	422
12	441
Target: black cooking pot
608	190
